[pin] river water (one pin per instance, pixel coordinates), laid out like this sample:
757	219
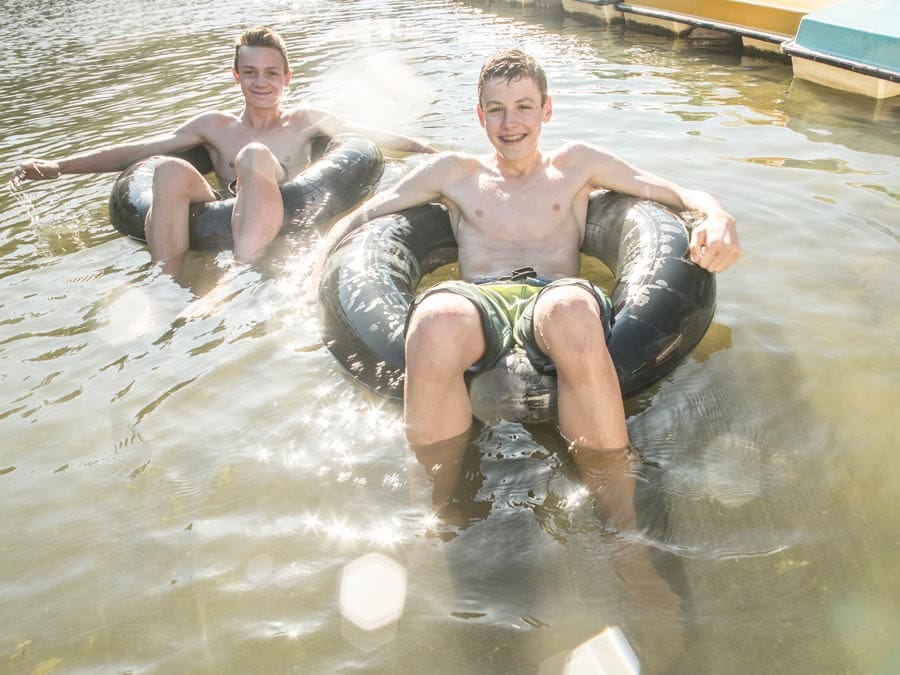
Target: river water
182	490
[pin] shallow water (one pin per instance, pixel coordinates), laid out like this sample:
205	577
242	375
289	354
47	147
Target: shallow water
181	491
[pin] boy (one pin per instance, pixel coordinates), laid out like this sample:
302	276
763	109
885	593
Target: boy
514	208
253	152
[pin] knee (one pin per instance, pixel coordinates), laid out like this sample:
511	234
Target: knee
257	159
172	173
444	331
567	323
567	306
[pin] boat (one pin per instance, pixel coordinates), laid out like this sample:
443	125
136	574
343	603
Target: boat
850	45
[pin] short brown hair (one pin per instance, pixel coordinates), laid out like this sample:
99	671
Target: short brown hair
512	64
261	36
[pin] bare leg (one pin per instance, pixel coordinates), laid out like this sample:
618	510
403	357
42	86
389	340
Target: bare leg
568	330
259	209
175	185
444	339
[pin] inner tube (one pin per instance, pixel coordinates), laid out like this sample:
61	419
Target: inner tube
662	302
344	176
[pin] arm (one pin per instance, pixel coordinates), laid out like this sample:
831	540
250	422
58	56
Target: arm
331	125
421	186
714	241
112	158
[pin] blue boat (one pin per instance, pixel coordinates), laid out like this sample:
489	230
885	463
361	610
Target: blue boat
853	46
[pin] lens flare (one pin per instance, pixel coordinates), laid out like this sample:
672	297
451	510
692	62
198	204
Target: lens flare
373	591
608	653
377	90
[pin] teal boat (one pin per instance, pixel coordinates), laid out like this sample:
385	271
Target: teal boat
853	46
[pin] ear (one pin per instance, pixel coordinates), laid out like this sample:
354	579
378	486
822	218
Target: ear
548	109
480	111
234	74
287	78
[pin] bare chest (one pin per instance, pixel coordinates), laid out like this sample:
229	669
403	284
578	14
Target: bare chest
502	226
527	211
290	147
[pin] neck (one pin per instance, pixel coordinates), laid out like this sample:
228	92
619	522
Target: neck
519	166
261	118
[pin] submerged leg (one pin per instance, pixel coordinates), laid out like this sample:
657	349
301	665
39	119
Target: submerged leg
452	464
259	209
444	338
612	477
175	185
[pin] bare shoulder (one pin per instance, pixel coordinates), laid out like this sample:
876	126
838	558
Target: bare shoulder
579	152
310	119
450	166
456	161
306	116
590	164
449	178
208	123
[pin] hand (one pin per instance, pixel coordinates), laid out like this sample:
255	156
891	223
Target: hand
35	169
714	242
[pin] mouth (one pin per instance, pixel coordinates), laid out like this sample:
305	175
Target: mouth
512	138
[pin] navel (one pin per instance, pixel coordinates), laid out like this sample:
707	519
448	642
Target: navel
556	207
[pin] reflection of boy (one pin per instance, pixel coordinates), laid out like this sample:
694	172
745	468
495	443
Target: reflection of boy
522	207
257	149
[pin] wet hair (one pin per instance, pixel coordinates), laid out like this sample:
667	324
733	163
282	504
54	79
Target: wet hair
261	36
512	64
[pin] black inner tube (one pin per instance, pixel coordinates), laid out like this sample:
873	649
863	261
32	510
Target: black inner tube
346	173
662	302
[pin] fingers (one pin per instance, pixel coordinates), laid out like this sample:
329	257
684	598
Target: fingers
698	244
19	174
34	169
717	256
714	254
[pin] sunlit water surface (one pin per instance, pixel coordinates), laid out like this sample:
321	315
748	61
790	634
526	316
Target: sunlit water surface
181	491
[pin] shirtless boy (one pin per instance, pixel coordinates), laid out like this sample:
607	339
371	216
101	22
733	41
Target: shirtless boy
523	207
253	151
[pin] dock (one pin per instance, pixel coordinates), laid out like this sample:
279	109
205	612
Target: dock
851	45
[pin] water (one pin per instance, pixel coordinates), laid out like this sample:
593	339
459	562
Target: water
181	491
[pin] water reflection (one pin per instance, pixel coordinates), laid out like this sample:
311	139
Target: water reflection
601	501
201	482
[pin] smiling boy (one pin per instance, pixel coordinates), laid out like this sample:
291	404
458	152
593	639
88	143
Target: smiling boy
253	151
522	207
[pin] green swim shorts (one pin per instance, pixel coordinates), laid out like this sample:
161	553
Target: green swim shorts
507	314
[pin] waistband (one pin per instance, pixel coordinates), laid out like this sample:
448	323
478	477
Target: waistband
520	275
